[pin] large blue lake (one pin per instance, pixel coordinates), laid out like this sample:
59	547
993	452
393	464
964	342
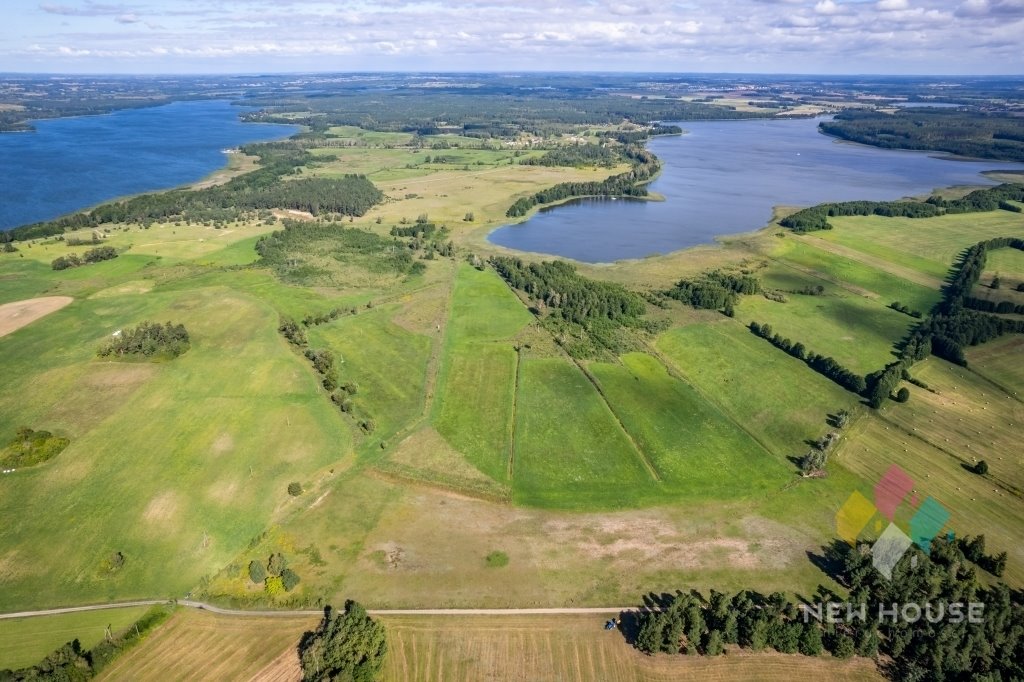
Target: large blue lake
725	177
72	163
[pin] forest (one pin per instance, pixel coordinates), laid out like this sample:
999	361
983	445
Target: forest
585	316
629	184
956	131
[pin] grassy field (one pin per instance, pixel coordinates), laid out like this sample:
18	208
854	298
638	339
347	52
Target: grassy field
860	274
26	641
928	246
752	381
999	362
189	492
569	450
476	400
858	333
388	362
692	445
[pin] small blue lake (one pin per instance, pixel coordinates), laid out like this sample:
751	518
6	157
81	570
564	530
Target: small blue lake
69	164
725	177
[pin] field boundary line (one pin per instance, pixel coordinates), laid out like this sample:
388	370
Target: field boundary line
678	374
641	455
515	409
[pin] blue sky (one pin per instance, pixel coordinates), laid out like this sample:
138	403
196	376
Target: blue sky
793	36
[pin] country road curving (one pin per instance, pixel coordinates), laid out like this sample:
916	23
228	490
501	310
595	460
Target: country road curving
583	610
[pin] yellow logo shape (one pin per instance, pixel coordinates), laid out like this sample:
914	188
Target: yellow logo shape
853	516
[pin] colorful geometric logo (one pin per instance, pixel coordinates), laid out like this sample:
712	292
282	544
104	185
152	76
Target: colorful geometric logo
894	487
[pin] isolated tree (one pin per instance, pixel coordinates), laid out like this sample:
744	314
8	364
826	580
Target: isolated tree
346	646
294	488
980	468
996	283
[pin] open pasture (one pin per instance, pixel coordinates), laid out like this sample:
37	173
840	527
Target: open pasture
388	362
778	399
570	450
930	245
695	449
171	442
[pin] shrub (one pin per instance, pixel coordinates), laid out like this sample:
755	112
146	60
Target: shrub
257	573
294	488
902	395
289	579
276	564
273	585
496	559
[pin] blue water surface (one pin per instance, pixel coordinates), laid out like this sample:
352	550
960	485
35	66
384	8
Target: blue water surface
69	164
725	177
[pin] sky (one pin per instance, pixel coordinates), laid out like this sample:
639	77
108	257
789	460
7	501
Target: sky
741	36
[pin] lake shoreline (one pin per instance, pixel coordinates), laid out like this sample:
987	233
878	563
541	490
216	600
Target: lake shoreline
714	187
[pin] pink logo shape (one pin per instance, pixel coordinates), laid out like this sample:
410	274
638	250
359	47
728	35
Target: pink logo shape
891	490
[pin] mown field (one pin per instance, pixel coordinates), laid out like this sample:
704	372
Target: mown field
567	648
24	641
195	645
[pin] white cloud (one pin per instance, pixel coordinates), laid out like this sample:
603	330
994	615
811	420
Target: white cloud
828	7
765	35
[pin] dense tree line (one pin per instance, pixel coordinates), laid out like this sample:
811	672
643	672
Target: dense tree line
575	155
919	643
629	184
714	290
149	339
990	199
346	645
967	133
824	365
954	326
96	255
72	663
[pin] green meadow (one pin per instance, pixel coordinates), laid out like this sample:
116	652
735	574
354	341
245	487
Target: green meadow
670	464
